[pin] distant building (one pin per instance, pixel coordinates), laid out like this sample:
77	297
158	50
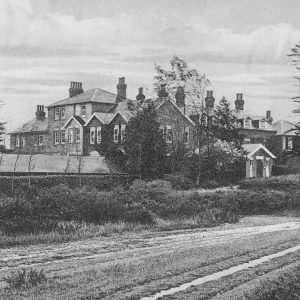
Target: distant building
285	139
254	129
79	124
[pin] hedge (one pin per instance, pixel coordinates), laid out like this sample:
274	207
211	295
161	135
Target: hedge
100	182
282	183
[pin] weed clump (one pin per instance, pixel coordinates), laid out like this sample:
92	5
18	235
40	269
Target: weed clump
25	279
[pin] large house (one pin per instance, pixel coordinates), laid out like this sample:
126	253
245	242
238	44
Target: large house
254	129
77	125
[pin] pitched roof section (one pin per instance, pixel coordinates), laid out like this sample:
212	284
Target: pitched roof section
77	119
104	118
35	125
284	127
253	148
95	95
177	108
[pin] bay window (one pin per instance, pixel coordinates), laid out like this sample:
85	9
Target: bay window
116	133
98	134
92	135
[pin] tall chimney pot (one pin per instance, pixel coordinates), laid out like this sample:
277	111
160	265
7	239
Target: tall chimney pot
75	88
40	113
209	100
239	102
121	89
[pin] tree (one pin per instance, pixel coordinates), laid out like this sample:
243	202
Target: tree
225	125
194	85
144	143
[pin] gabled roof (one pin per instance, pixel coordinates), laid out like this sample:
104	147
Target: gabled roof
104	118
177	108
35	125
253	148
284	127
77	119
125	114
95	95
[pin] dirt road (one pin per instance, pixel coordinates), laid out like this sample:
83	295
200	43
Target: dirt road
105	253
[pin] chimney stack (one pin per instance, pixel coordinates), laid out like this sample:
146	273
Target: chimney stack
239	102
140	97
40	113
180	97
75	88
121	88
210	100
268	117
162	93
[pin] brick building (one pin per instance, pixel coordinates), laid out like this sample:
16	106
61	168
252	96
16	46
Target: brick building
254	129
79	124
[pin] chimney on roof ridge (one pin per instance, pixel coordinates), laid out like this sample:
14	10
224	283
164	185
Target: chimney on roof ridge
140	96
162	93
40	113
180	97
209	100
268	117
239	102
75	88
121	88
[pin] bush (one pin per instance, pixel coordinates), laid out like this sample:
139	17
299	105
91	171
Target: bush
25	279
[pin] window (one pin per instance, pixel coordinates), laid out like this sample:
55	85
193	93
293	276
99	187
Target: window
77	134
63	113
123	132
23	142
99	134
247	123
56	113
116	134
35	140
247	140
186	137
290	143
56	137
92	135
18	141
83	110
169	134
70	135
63	137
262	124
41	140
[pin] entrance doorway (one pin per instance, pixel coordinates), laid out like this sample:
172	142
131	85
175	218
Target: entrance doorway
259	168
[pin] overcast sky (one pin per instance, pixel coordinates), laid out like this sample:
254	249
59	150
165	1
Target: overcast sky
240	45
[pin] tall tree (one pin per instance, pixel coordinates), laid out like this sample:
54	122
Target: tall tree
144	143
225	126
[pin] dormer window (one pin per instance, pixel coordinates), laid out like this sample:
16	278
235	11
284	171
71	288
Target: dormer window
83	110
247	123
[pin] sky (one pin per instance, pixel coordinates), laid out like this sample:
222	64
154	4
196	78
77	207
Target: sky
241	46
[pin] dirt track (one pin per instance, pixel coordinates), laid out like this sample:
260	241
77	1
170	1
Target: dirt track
120	248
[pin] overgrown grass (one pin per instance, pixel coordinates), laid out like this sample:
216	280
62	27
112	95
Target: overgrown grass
282	183
25	278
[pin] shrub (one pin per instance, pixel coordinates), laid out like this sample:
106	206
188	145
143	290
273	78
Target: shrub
25	279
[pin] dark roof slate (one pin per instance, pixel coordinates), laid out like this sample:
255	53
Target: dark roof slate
35	125
94	95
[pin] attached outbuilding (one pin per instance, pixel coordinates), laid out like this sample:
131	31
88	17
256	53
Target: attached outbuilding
259	161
